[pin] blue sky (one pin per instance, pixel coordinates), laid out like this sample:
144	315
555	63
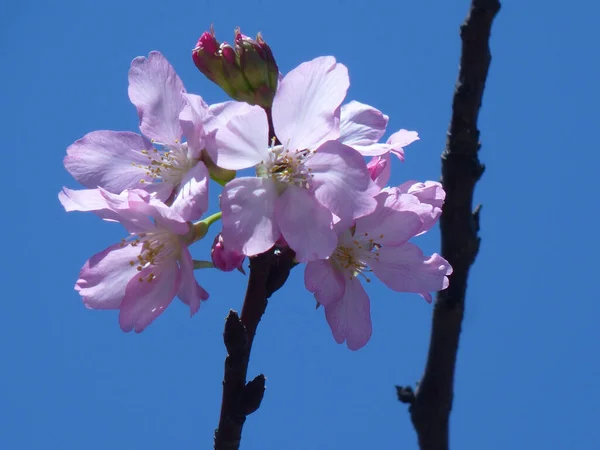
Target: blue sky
528	365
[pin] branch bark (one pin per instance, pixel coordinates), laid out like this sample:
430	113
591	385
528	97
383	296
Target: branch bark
431	402
268	272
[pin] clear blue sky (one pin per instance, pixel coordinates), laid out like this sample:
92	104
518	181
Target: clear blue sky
529	363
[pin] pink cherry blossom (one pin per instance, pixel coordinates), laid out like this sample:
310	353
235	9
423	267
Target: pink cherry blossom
377	243
303	185
157	160
142	274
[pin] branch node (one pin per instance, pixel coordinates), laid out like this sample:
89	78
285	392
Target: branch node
405	394
234	335
254	392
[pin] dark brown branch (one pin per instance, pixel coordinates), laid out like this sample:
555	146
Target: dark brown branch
431	403
268	272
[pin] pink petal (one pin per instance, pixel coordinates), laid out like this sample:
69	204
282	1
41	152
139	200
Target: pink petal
244	141
305	224
305	105
164	216
145	300
82	200
248	206
95	200
327	283
155	90
401	139
380	169
192	199
109	159
350	318
430	192
133	220
341	180
361	125
104	277
406	269
221	113
190	292
396	219
431	199
191	120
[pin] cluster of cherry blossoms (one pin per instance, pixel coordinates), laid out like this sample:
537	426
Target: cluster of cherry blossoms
312	190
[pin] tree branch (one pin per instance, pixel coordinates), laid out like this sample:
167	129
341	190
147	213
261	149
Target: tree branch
431	403
268	272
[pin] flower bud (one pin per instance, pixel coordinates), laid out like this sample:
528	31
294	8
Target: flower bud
208	59
224	259
247	71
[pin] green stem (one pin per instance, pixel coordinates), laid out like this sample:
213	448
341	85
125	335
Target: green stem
201	227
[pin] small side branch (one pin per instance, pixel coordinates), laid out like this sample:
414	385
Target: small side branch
431	402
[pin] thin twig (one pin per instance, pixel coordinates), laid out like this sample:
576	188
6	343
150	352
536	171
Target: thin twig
431	402
268	272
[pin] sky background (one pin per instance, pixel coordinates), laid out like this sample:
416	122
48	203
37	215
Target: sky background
528	365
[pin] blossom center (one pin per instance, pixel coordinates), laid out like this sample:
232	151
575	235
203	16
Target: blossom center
354	253
287	166
156	248
168	163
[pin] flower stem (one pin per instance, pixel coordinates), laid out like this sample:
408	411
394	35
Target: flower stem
201	227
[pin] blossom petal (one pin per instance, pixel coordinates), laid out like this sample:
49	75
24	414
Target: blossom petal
82	200
380	169
431	196
361	125
192	199
190	292
341	180
244	141
248	205
395	220
221	113
134	220
191	120
87	200
163	216
145	300
111	159
306	103
155	90
324	281
406	269
104	277
305	224
430	192
350	318
401	139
